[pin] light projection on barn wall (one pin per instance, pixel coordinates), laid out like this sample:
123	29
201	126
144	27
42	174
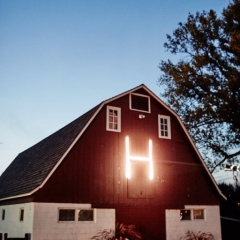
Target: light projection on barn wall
130	158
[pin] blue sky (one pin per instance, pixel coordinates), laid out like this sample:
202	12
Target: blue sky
59	58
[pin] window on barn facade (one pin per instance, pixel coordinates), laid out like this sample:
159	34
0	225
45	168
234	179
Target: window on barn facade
185	214
192	214
3	214
164	127
198	214
66	215
139	102
86	215
113	119
21	218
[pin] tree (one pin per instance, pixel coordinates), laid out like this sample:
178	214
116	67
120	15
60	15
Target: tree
230	208
203	87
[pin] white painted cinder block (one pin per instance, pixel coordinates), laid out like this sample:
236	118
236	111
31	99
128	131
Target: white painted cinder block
175	228
41	221
47	227
12	224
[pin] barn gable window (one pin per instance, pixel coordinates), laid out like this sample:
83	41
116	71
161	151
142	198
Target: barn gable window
66	215
86	215
164	127
113	119
140	102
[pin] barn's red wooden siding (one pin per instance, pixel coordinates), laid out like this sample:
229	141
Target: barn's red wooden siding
94	170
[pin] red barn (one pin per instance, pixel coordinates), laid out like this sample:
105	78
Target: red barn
128	160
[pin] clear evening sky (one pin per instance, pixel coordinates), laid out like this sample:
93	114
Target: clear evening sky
60	58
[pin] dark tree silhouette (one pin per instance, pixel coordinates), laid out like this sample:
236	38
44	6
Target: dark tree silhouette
203	87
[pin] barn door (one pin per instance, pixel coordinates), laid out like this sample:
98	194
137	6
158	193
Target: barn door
139	185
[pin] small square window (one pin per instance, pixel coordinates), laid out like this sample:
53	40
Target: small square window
86	215
113	119
3	214
164	129
198	214
185	214
21	215
66	215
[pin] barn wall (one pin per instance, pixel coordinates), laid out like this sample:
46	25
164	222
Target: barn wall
150	222
41	221
176	228
12	224
94	170
46	224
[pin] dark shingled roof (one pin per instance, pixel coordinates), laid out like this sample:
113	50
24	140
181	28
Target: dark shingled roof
31	167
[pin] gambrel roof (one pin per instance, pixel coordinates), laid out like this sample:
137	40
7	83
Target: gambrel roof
31	167
30	170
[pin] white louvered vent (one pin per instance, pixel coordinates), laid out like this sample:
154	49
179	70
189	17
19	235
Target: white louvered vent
140	102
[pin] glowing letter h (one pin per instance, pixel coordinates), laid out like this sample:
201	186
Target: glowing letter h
134	158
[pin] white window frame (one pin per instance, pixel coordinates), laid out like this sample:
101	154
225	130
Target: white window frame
73	209
118	119
88	209
76	213
185	219
203	213
141	95
168	126
192	216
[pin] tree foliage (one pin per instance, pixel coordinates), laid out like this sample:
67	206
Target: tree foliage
203	86
230	208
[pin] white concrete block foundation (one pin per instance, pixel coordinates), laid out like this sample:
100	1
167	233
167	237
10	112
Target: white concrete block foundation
41	220
175	228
